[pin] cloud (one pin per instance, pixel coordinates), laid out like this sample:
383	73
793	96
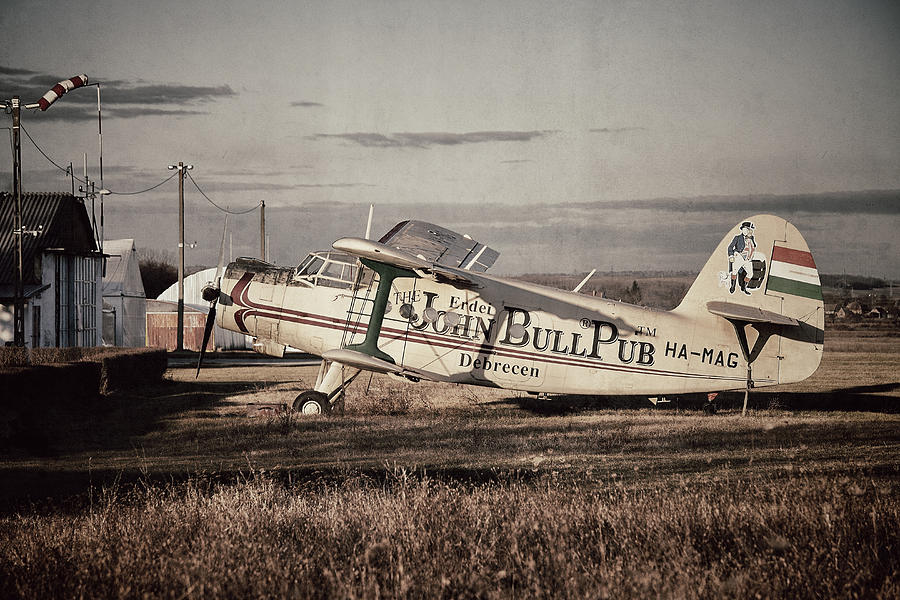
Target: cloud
370	140
617	129
305	104
332	185
428	139
13	71
120	93
881	202
60	112
141	98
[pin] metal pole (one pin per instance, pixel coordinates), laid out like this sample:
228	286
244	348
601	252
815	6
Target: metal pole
19	293
262	229
100	142
180	335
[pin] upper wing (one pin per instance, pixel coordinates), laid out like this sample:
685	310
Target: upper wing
388	255
440	246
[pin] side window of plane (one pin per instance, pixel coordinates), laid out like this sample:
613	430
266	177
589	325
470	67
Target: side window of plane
335	274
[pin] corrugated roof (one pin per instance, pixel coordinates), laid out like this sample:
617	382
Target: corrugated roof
66	226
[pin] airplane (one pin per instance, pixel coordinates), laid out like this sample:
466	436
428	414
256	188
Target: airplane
418	304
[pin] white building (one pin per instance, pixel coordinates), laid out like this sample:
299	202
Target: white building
124	301
62	271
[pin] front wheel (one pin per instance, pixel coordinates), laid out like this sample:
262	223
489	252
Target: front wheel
312	402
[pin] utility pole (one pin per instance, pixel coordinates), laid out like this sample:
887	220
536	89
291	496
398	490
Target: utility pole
19	293
179	343
262	229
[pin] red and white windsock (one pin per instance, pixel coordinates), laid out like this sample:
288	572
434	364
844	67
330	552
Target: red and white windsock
61	88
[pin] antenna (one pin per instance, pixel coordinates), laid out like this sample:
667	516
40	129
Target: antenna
584	281
369	222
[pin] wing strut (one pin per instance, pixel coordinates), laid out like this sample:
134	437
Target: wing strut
386	276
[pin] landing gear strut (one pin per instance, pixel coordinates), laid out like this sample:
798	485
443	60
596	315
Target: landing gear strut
330	386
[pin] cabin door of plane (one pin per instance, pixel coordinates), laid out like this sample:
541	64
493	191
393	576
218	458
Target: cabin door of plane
272	297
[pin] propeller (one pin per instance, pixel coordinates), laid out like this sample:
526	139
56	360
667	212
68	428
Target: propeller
211	293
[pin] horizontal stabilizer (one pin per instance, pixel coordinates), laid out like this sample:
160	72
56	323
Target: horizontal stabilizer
748	314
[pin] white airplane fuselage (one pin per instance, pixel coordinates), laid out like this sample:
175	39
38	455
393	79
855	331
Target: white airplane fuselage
507	334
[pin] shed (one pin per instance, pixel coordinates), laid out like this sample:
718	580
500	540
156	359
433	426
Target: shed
162	326
62	271
124	301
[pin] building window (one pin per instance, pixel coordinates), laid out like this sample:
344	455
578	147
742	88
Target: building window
76	300
65	328
85	300
35	326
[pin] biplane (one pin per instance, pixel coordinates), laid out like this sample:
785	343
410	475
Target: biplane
419	304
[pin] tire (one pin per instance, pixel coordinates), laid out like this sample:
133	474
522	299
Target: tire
312	402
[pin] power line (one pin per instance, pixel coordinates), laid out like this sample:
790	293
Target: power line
225	210
44	154
147	190
68	172
153	187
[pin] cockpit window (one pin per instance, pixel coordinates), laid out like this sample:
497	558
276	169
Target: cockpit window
311	265
327	268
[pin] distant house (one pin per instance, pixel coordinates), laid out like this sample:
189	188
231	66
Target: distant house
850	310
854	308
124	301
62	271
878	312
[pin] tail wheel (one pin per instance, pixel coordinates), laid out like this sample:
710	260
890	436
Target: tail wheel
312	402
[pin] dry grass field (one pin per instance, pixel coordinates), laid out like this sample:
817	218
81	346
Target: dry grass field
203	489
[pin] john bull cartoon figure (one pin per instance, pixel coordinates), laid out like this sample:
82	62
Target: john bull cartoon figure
746	265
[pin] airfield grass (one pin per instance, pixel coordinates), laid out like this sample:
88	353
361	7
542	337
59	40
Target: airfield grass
204	489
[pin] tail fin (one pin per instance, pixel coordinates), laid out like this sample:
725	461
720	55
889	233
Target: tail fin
763	280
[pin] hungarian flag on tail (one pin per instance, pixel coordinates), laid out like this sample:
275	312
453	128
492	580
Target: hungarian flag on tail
61	88
794	272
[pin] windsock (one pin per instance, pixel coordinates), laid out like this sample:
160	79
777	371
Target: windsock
61	88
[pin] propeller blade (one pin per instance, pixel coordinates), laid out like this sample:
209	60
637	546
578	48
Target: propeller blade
211	294
207	331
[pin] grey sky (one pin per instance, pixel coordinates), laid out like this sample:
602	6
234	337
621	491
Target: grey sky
422	105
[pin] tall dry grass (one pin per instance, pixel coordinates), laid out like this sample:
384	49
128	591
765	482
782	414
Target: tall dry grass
411	536
521	498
